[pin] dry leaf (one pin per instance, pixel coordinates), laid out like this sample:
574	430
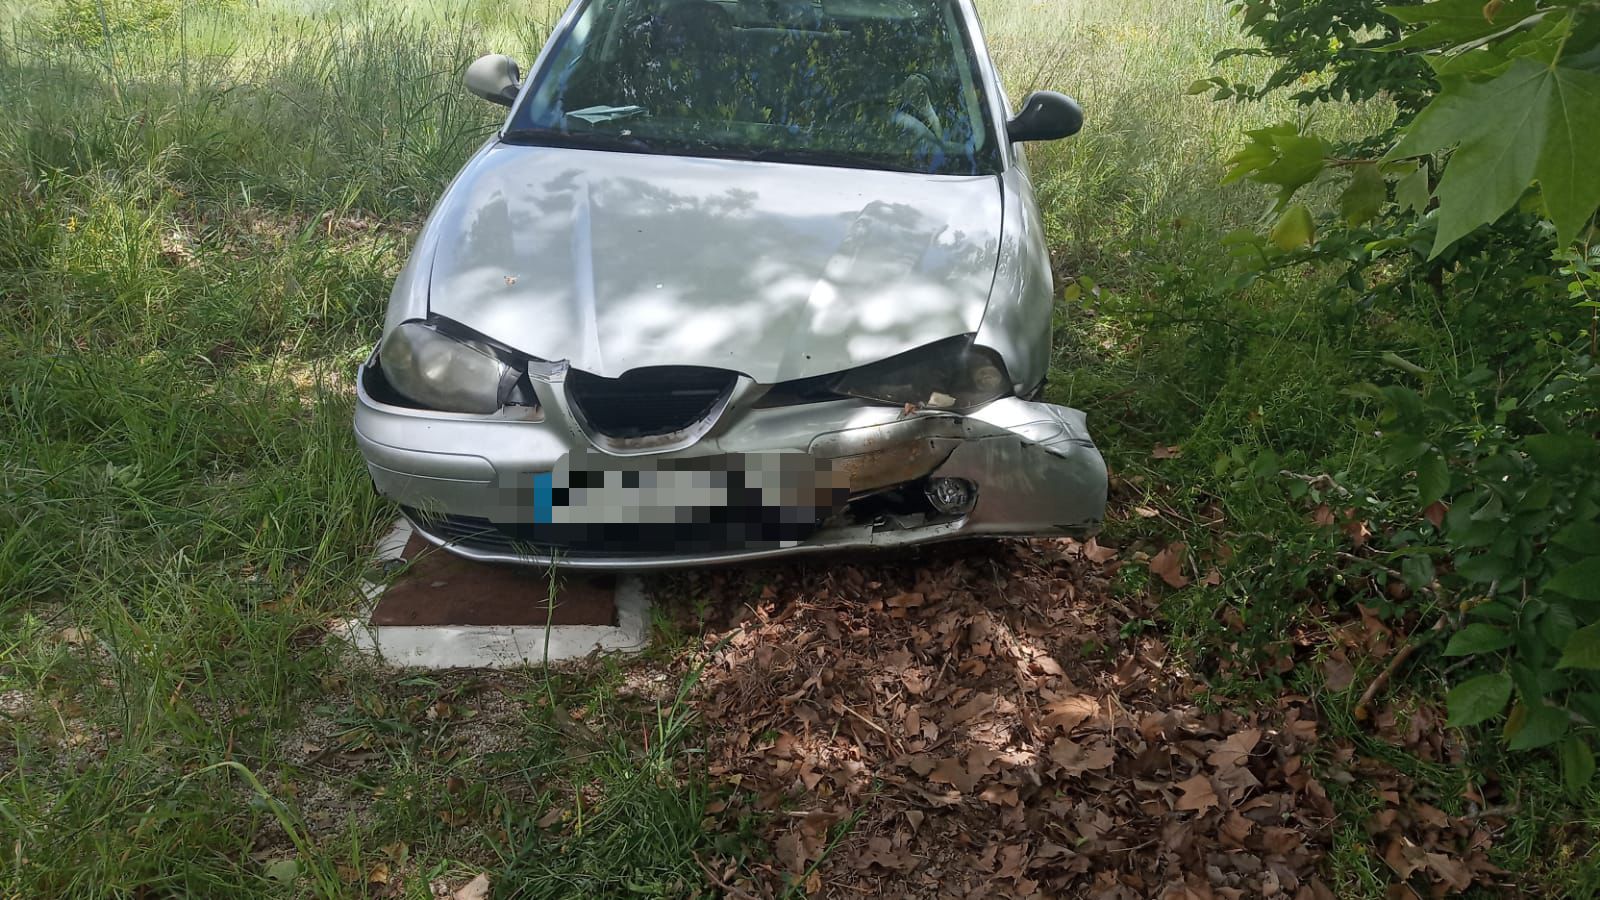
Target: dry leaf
1435	513
1069	712
1075	758
1197	794
1235	827
1357	530
476	889
1170	452
1337	672
791	851
1093	552
1235	750
1169	564
949	771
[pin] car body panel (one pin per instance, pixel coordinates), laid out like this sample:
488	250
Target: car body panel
614	261
1037	470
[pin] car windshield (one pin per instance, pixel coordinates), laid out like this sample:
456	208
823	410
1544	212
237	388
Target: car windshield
887	84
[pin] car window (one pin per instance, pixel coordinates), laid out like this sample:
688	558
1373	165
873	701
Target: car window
889	84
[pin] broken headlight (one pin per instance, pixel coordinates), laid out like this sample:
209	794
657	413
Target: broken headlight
948	374
443	372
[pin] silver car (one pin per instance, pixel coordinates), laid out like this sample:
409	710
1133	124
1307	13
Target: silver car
736	279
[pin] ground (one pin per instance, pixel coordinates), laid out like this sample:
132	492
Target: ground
202	208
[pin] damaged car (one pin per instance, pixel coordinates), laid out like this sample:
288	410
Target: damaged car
735	279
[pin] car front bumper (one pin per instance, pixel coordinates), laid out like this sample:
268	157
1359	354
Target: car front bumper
1035	469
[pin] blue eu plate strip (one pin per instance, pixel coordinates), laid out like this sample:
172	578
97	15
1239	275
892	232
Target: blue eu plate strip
543	486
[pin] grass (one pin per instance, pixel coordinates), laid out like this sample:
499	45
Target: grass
198	230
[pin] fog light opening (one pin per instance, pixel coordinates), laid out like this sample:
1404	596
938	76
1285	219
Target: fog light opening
952	496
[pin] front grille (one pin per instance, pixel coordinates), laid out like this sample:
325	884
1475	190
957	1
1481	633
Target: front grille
648	402
726	530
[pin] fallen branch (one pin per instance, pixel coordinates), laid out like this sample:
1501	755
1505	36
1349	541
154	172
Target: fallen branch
1400	656
730	889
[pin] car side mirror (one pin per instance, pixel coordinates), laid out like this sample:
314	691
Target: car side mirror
495	78
1045	116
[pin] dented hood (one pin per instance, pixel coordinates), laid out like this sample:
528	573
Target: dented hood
616	261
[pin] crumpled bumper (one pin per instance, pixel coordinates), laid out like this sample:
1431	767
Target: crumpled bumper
1035	469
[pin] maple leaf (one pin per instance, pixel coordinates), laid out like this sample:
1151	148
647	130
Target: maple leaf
1075	759
1235	750
1534	122
1235	828
1093	552
950	771
1337	672
1168	564
791	851
1070	712
1197	794
476	889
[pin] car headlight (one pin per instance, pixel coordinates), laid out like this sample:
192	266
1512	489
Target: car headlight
445	373
950	374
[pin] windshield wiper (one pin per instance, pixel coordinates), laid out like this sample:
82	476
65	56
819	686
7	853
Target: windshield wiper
822	157
583	140
594	115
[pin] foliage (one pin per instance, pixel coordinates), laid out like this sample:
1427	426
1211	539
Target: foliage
93	22
1326	50
1482	201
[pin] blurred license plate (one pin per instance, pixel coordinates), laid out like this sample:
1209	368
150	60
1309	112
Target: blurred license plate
588	488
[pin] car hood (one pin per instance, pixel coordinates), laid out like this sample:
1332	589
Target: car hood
617	261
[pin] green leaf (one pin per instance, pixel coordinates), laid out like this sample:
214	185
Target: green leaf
1364	197
1558	624
1580	536
1558	452
1477	638
1494	611
1484	568
1433	479
283	871
1577	764
1529	684
1279	155
1449	22
1532	123
1294	229
1581	581
1477	699
1411	191
1540	726
1586	704
1582	650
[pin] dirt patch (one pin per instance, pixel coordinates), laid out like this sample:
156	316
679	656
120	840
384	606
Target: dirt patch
441	588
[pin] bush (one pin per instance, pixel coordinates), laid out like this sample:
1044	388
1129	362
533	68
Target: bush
1477	202
91	22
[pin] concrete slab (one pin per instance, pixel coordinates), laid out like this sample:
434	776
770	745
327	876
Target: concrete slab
443	612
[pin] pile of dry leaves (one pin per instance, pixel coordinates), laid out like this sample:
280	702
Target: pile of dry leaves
978	724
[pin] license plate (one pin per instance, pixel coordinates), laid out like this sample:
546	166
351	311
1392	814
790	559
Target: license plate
588	488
